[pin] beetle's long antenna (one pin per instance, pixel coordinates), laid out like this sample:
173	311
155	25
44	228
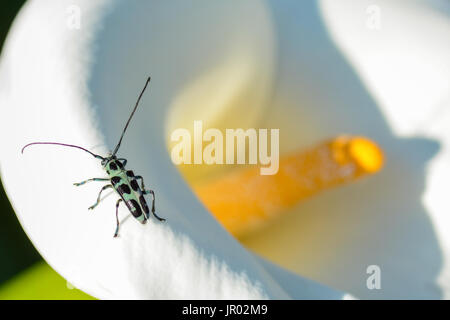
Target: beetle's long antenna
131	116
65	145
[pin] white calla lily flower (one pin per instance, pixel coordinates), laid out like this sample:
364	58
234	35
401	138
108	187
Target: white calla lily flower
71	71
75	81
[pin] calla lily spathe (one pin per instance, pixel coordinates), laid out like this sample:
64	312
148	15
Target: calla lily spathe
77	85
305	75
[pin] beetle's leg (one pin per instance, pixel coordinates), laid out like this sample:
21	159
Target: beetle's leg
124	161
89	180
142	181
99	195
153	204
117	218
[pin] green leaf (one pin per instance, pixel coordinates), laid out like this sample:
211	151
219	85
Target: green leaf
40	282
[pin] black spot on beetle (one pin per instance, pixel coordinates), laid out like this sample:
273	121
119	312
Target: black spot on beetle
119	164
124	188
130	173
134	207
144	204
115	180
134	185
113	166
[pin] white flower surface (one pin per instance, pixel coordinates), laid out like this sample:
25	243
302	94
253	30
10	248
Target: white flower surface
341	70
76	83
405	68
312	69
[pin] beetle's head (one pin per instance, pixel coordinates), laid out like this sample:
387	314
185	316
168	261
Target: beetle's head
108	159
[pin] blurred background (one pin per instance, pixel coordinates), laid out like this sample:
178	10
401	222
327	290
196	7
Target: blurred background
23	273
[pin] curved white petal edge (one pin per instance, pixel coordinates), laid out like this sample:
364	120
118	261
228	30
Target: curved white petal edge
77	85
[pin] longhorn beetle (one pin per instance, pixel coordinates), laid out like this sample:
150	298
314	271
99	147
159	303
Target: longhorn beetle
123	181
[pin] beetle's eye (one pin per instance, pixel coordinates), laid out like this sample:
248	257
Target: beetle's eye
113	166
